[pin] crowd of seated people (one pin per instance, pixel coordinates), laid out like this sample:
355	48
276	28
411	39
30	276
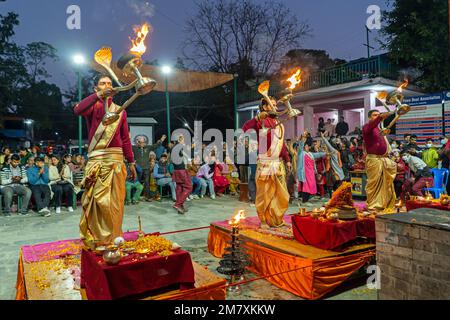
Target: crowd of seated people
42	182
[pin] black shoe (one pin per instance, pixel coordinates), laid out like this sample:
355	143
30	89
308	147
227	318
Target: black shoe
6	214
24	213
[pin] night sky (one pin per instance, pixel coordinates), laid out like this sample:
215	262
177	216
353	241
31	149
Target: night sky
337	26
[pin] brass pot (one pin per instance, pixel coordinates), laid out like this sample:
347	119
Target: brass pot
112	255
445	201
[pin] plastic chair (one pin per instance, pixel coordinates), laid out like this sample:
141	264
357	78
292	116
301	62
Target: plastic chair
440	177
168	195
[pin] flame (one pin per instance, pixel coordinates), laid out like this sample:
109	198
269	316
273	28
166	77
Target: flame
382	95
403	85
240	216
138	43
295	79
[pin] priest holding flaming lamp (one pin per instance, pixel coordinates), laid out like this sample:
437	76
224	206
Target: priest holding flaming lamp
272	196
109	143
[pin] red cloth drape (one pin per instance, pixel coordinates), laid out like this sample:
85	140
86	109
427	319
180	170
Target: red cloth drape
411	205
329	235
130	277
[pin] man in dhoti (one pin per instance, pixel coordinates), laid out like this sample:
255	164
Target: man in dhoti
105	174
380	169
272	196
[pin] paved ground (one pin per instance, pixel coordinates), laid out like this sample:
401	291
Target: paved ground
16	231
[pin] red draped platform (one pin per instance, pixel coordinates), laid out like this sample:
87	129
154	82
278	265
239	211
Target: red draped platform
331	235
52	271
303	270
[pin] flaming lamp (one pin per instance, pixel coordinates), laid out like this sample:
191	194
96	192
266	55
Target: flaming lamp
129	64
233	262
394	98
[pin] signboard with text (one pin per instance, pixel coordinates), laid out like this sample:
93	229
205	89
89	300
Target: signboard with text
424	120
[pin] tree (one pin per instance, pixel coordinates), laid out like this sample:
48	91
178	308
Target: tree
224	34
36	55
416	35
13	74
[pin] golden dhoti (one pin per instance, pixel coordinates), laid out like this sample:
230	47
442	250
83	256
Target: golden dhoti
380	190
272	196
103	198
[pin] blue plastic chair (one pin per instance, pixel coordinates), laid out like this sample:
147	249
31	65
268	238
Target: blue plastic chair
440	177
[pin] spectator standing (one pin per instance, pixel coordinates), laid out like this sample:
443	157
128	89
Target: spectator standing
38	179
13	181
321	126
342	127
329	128
335	174
306	168
180	175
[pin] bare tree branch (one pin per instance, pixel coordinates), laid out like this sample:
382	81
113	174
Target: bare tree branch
224	34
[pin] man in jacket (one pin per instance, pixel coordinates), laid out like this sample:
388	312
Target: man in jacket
142	157
13	181
38	179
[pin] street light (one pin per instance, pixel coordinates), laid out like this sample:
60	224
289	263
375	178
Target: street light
79	60
166	70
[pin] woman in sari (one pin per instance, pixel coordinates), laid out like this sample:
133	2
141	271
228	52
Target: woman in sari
220	182
306	169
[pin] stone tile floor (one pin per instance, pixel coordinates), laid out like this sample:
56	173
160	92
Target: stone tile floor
16	231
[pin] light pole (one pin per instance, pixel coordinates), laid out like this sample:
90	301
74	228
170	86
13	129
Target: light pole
166	70
235	96
79	61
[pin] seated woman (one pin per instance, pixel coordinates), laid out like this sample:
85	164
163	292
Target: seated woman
61	182
231	173
220	182
205	174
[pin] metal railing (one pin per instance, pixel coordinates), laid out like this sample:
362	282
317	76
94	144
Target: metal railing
377	66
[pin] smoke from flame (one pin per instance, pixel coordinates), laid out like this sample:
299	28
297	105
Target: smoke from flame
139	43
240	216
295	79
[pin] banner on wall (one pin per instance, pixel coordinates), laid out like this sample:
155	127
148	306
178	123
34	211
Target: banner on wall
424	120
